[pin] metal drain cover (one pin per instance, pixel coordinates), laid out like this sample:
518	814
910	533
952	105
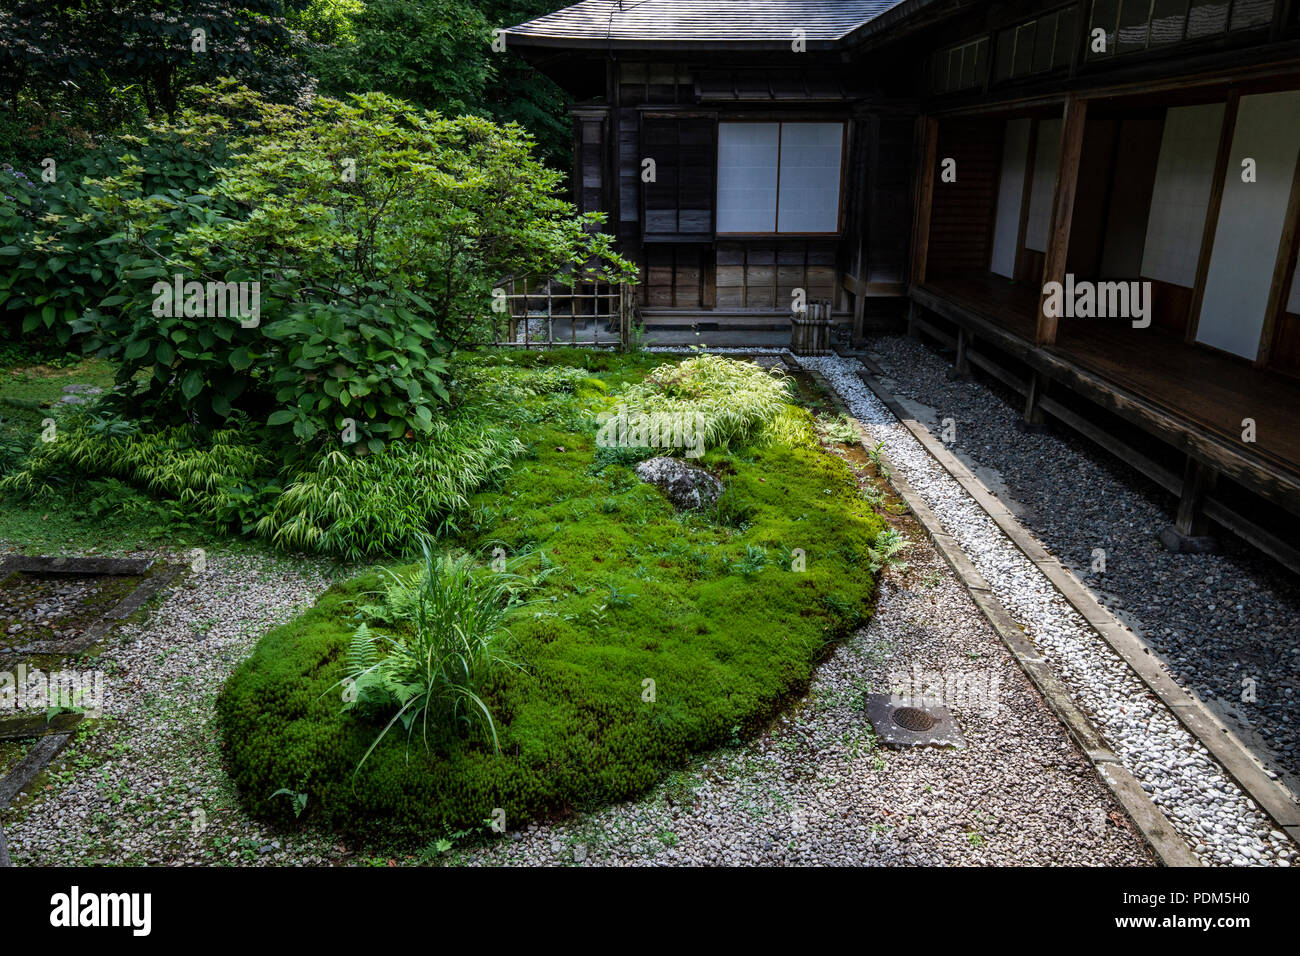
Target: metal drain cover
908	722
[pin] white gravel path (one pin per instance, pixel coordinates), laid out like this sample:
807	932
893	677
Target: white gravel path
1221	823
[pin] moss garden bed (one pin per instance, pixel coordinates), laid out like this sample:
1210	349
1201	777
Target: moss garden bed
705	605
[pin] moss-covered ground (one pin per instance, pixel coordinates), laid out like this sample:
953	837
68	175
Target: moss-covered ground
658	634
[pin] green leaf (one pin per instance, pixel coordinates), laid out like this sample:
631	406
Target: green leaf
192	384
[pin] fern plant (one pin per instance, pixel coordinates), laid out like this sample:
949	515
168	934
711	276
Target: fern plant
885	550
838	429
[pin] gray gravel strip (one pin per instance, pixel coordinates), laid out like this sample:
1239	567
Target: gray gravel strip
145	785
1225	624
1220	823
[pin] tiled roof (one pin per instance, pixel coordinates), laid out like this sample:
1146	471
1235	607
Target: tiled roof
650	23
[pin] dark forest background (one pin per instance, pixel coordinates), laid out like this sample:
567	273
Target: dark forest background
76	75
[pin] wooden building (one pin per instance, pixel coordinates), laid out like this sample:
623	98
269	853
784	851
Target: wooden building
958	159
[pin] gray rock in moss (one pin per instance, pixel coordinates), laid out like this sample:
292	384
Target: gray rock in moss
688	487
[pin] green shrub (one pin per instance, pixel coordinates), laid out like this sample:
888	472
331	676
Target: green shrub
376	232
384	503
64	240
179	463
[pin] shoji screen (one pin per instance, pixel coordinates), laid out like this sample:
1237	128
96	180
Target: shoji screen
1250	223
810	177
1184	177
1042	191
779	177
748	157
1011	184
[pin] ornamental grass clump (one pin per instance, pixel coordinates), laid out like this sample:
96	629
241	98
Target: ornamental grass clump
385	502
429	677
731	401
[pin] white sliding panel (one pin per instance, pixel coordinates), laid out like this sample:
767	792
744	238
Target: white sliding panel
1189	147
810	177
748	154
1042	191
1011	186
1250	222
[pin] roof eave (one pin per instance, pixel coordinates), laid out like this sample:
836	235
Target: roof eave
615	43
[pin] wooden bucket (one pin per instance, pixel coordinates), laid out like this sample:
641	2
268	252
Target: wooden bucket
810	330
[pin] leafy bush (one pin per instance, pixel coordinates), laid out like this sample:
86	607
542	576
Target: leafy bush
435	53
66	241
438	54
725	630
179	462
385	502
376	231
352	506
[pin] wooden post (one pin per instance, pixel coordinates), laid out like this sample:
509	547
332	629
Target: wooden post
1212	213
961	365
1033	419
1188	533
1283	269
510	323
913	331
1058	236
929	131
624	316
859	298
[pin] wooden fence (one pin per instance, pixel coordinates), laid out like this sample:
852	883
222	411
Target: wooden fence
543	314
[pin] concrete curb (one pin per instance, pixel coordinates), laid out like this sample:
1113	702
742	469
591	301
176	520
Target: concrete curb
1169	847
1225	746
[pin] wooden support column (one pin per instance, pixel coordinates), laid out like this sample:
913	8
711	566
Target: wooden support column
1058	236
961	364
1189	532
1212	213
859	296
1283	269
1033	419
929	152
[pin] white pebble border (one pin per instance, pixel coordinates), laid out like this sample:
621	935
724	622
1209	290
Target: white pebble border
1222	825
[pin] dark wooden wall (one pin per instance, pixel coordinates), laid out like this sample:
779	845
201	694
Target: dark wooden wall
889	226
763	274
962	212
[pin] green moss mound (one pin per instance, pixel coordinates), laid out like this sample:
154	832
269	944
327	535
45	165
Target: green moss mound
706	606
